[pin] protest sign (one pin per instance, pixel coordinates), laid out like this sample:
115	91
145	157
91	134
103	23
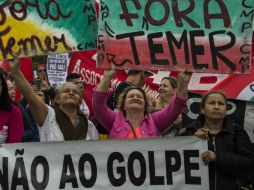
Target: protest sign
84	63
202	35
57	68
46	27
162	163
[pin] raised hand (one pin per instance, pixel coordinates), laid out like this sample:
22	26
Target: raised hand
44	84
110	72
183	82
106	79
13	65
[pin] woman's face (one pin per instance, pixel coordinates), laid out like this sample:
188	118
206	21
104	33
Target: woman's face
134	100
70	94
11	90
166	90
215	107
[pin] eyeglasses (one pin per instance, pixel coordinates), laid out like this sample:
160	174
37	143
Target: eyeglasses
42	70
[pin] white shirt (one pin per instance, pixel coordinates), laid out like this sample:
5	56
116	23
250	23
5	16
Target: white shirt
84	108
50	130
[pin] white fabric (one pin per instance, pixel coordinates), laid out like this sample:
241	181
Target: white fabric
159	156
50	130
84	108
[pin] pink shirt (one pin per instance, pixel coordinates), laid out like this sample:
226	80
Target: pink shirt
13	120
151	125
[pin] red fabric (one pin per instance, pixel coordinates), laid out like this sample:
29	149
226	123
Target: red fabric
83	63
26	68
233	85
208	80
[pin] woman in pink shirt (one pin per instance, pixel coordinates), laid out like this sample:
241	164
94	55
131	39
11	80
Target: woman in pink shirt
133	119
10	115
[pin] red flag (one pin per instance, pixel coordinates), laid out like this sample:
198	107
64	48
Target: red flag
238	86
25	67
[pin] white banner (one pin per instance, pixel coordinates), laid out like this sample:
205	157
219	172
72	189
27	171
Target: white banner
163	163
57	68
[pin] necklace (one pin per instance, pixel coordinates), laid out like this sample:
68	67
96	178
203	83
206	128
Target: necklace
76	123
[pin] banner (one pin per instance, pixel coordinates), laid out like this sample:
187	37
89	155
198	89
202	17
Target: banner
162	163
240	112
243	86
30	28
84	64
57	66
201	35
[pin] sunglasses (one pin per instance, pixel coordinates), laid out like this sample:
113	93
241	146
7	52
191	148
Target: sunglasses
42	70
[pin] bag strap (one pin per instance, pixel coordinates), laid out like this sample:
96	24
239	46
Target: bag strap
134	133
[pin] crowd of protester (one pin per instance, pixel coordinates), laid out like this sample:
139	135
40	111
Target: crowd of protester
44	113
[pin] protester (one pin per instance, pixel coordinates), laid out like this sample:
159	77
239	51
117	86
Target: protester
42	83
44	97
133	119
41	71
135	78
167	90
10	115
63	123
28	132
75	79
230	154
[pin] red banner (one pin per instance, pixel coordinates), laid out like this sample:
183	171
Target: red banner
25	67
235	86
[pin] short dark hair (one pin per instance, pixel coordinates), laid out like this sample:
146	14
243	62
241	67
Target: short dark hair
46	96
5	99
72	76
